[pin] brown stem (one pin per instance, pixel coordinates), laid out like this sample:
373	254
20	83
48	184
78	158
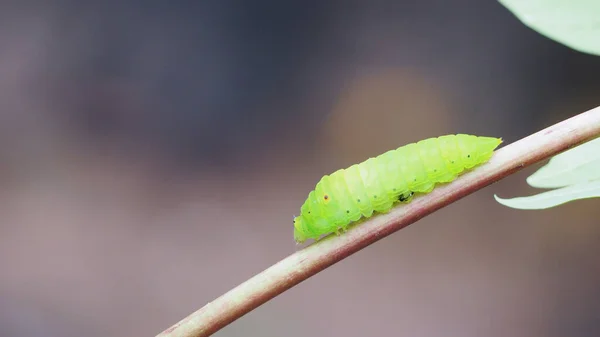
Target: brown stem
307	262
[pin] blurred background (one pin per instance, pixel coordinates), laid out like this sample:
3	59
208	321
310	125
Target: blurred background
153	154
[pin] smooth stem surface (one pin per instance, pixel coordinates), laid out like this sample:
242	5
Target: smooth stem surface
313	259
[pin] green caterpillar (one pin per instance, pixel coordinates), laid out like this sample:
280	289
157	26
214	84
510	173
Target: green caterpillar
376	184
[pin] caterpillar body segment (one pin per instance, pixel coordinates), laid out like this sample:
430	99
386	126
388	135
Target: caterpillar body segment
378	184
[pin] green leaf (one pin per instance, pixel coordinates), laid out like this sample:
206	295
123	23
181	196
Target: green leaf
554	197
574	23
576	171
577	165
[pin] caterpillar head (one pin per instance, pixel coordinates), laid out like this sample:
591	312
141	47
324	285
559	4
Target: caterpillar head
299	235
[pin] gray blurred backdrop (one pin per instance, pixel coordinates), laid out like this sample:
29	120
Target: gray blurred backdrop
153	154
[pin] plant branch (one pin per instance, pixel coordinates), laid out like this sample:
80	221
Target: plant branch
309	261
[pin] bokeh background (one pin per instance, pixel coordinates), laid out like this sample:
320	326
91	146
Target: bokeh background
153	154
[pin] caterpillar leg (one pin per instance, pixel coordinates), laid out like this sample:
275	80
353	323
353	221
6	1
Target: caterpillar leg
340	230
407	197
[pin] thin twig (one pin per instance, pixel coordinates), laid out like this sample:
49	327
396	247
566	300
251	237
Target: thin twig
313	259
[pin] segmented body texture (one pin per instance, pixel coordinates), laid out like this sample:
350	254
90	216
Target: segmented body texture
377	184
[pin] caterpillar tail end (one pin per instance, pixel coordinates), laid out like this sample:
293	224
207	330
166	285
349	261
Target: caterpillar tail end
490	143
487	145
